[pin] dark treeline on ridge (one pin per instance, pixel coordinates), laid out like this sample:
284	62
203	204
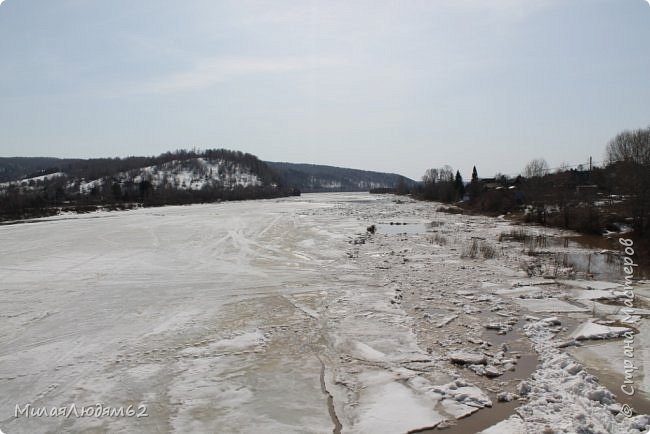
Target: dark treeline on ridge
314	178
95	168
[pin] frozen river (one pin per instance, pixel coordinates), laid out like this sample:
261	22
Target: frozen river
191	311
273	316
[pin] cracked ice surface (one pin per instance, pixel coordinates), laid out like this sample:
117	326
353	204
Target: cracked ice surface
190	310
277	316
212	315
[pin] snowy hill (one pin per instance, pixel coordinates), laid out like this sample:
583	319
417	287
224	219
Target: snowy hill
180	177
177	171
192	174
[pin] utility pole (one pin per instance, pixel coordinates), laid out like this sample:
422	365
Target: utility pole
590	163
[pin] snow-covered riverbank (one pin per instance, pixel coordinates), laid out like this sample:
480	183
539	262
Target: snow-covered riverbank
287	316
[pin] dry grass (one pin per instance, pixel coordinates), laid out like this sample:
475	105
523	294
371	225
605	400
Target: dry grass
439	239
530	241
479	248
487	250
520	235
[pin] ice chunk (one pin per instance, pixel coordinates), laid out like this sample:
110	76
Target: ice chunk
592	330
467	358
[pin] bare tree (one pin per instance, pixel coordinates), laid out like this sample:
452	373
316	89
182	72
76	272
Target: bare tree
629	155
446	173
535	189
443	174
430	176
439	184
536	168
630	147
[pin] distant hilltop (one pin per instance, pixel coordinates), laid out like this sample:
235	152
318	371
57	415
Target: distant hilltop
36	186
318	178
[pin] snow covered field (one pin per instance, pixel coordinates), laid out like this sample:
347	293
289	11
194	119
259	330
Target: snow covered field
285	316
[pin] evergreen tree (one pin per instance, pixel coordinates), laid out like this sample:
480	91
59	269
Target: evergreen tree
459	185
474	187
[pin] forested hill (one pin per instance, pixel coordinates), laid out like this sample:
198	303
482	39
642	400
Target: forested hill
25	168
45	186
317	178
31	187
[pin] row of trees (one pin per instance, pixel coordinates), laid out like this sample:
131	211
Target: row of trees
584	199
621	188
442	185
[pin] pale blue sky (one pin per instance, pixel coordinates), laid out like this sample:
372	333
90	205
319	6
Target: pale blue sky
379	85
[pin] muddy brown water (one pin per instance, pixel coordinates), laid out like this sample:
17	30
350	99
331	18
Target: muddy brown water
610	377
517	344
526	365
478	421
484	418
603	264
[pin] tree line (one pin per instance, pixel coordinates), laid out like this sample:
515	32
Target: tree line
586	199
